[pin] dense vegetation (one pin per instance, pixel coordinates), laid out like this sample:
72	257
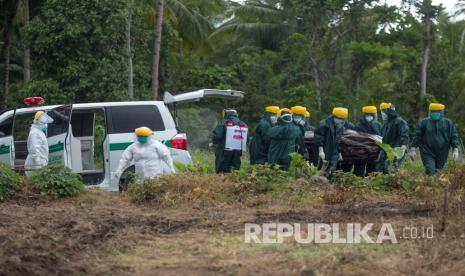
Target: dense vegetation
315	53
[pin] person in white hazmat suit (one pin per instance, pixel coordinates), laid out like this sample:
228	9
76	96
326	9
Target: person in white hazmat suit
37	145
151	157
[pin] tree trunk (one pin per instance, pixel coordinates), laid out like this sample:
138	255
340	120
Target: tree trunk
6	55
156	47
316	79
129	53
426	52
26	50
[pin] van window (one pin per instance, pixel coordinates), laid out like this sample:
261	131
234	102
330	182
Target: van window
22	126
82	124
6	126
60	116
21	129
124	119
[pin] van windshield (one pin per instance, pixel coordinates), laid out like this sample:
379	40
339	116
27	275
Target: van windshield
124	119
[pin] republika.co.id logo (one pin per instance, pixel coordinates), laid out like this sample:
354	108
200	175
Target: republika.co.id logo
347	233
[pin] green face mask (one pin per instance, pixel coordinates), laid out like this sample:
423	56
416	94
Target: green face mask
435	115
142	139
45	128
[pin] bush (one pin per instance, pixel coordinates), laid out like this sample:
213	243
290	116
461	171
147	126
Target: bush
381	182
347	179
262	179
190	189
10	182
146	191
57	181
300	167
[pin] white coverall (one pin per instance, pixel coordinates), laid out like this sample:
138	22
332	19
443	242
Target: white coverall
37	147
150	159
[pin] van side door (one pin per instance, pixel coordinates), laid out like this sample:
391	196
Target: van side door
6	140
58	135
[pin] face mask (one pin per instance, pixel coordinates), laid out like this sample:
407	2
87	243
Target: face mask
44	128
297	119
287	118
273	119
369	118
142	139
435	115
339	121
384	116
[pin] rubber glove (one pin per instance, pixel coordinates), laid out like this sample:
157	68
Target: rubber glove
413	153
455	154
321	153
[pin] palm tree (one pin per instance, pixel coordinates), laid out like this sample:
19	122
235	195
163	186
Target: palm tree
265	22
156	47
193	20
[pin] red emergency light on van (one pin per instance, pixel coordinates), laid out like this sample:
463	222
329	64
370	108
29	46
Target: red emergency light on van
34	101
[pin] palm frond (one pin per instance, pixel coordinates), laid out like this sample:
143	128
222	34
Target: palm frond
258	10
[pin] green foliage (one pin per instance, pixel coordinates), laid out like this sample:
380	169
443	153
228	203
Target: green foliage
149	190
279	52
262	179
347	179
47	88
381	182
194	168
300	167
391	153
85	42
57	181
10	182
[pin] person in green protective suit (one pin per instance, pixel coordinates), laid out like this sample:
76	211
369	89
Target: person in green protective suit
283	140
298	116
327	139
226	159
308	125
259	144
368	124
435	136
394	132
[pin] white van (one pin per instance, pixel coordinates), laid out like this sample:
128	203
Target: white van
90	138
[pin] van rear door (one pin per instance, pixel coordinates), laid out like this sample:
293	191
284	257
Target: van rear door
200	94
57	135
195	96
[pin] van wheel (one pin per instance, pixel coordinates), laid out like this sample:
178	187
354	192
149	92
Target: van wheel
126	179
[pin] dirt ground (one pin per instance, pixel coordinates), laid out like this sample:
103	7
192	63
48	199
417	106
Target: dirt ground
103	233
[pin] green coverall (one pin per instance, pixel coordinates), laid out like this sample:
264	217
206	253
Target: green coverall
435	138
226	160
328	135
373	127
259	145
308	126
283	140
395	134
300	144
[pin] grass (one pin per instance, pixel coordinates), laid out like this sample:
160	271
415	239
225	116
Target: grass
197	226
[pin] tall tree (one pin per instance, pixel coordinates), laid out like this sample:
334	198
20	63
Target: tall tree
26	50
427	20
9	9
193	19
156	47
129	51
